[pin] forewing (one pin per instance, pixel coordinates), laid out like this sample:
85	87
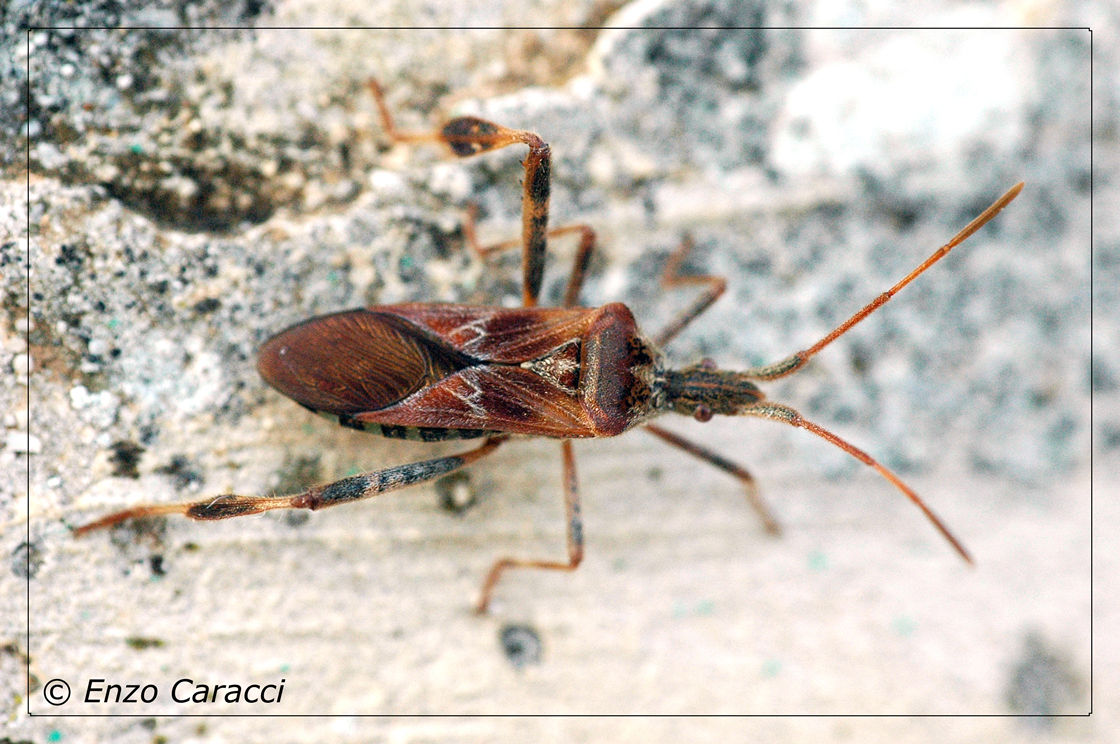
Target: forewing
495	398
497	334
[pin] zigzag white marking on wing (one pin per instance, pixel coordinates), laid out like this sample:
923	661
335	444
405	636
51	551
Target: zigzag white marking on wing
476	329
471	398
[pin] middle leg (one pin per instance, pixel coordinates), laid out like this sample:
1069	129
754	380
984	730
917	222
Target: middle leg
574	520
582	258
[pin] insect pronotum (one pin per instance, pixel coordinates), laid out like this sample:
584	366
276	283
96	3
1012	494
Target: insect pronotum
433	371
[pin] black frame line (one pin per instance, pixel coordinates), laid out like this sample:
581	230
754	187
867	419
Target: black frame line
29	654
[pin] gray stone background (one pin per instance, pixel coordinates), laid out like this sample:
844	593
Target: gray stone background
193	192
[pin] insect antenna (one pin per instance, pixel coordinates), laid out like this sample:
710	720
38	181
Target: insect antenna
781	412
794	362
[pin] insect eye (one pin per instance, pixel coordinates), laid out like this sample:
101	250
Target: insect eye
702	413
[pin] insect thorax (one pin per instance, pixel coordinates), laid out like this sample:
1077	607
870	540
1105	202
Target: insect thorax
619	368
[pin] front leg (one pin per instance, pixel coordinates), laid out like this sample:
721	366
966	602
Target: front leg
579	264
714	287
769	522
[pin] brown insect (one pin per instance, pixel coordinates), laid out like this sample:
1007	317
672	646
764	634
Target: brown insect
432	372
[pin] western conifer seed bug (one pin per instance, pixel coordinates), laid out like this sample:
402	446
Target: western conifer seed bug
434	372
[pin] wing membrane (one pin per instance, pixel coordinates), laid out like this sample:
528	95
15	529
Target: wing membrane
354	361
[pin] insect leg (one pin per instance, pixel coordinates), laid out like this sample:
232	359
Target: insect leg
468	135
575	536
785	414
737	471
794	362
354	488
671	277
390	126
579	264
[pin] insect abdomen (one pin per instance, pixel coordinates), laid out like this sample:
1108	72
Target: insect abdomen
412	433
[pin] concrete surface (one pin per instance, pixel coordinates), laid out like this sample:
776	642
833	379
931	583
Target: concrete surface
191	194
